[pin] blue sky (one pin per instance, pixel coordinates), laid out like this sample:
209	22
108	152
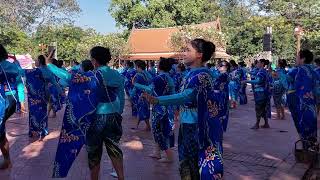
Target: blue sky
95	15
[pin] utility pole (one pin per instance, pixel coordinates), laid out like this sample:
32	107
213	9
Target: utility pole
267	43
52	47
298	32
54	44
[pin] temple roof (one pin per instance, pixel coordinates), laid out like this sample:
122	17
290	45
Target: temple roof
153	43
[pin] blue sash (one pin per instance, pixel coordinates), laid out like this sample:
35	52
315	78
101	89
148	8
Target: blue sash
210	134
2	113
7	82
54	97
38	118
79	113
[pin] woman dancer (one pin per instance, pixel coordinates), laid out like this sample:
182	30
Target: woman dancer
162	116
9	76
261	94
200	133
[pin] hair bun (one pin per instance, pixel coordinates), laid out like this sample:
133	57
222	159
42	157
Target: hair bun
207	48
210	46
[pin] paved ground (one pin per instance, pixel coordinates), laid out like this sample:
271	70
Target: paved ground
249	154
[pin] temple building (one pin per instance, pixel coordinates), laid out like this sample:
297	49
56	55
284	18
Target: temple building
153	43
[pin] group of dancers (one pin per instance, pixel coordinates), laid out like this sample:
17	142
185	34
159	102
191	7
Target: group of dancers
94	104
188	90
195	96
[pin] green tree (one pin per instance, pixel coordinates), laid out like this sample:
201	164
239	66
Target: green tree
294	10
14	39
248	39
305	13
165	13
67	37
74	42
311	40
30	14
115	42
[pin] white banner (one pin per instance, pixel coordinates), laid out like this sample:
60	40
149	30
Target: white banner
24	60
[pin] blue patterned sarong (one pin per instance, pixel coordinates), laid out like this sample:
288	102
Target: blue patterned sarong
7	102
54	97
80	112
210	135
38	118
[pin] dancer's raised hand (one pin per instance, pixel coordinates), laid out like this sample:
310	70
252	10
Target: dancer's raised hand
150	99
49	57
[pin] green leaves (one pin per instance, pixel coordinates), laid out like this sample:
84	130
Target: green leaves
28	15
312	41
74	42
178	40
165	13
14	39
243	25
247	39
305	13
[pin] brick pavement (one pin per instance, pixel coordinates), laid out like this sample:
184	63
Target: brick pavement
248	154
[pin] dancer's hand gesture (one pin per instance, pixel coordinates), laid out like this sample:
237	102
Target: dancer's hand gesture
23	108
49	57
150	99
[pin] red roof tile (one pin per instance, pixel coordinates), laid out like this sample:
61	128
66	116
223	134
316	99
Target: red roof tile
153	43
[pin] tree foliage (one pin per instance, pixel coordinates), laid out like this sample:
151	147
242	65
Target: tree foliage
312	41
14	39
243	22
74	42
26	24
305	13
30	14
164	13
179	40
115	42
248	40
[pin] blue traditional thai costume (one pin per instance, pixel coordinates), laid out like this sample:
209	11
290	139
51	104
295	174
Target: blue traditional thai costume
37	101
153	72
215	72
242	92
162	116
10	76
282	73
277	92
53	89
253	73
318	89
221	84
76	121
75	68
261	93
128	86
292	98
122	70
62	85
235	84
18	108
178	79
269	80
143	107
200	133
173	70
105	127
305	84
